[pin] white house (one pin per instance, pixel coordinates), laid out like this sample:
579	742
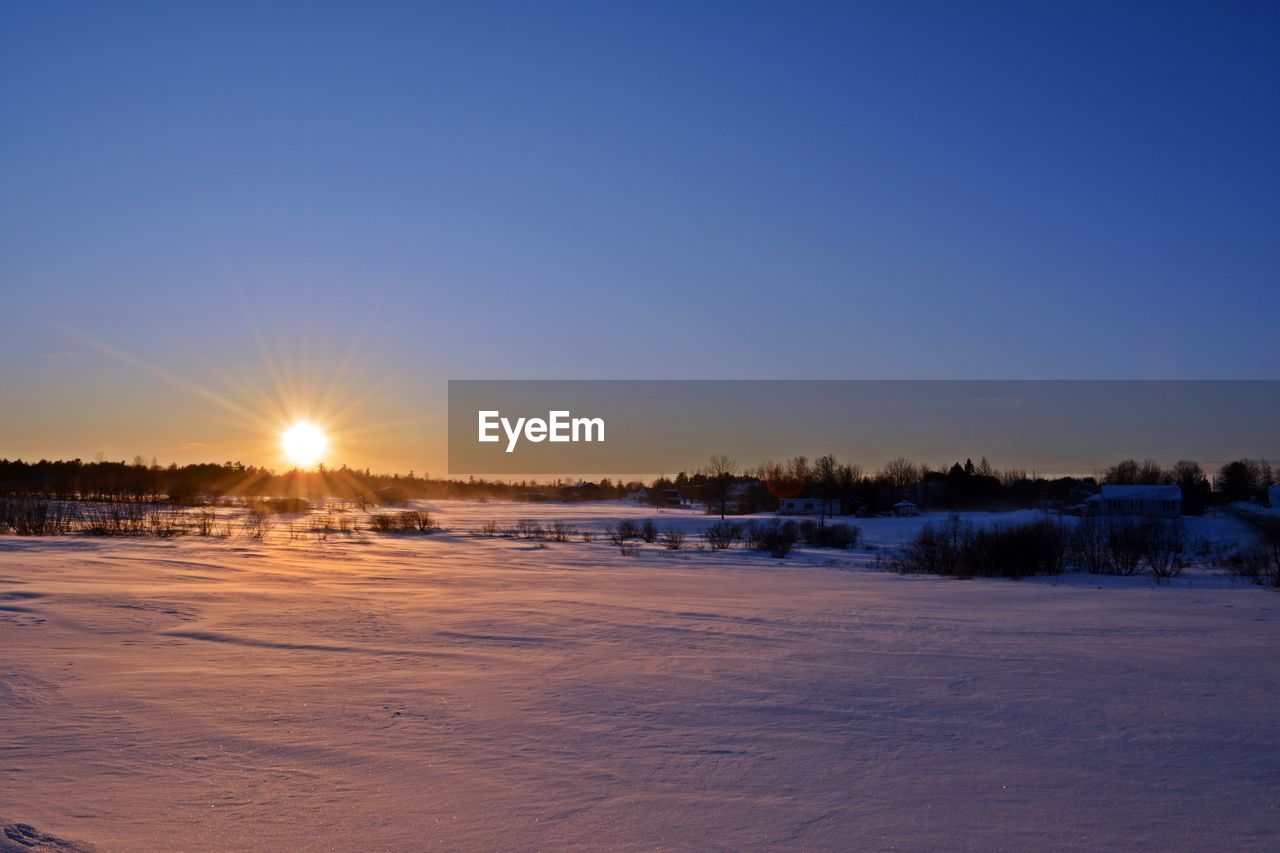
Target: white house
803	506
1152	501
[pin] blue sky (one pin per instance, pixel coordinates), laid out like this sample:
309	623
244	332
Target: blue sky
426	191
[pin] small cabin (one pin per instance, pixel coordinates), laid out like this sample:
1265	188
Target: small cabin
1146	501
803	506
905	508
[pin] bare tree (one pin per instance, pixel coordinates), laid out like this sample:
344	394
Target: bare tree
825	471
901	472
1124	473
1131	472
719	473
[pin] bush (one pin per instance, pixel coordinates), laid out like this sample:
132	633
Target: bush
1127	542
776	537
382	522
528	529
1089	547
256	525
203	522
167	523
561	531
622	532
721	535
834	535
673	539
417	521
1124	546
1163	547
115	518
489	529
1258	564
958	549
649	531
35	516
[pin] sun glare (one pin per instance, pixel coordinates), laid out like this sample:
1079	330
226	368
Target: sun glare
304	443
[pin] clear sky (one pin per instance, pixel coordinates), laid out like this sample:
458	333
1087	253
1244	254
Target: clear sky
214	215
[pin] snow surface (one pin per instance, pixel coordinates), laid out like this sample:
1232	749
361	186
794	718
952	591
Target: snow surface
385	692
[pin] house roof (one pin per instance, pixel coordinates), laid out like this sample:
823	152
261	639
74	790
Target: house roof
1142	492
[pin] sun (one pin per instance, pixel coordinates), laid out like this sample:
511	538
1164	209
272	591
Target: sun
304	443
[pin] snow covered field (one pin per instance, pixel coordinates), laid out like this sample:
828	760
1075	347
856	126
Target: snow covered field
405	692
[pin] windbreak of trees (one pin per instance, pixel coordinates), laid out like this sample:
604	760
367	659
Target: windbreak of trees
843	488
202	483
1239	480
722	486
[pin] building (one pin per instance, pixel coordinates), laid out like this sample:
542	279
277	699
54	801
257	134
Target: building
666	497
804	506
906	508
1148	501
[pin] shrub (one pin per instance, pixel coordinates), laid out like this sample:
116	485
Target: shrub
1258	564
649	531
116	518
256	525
622	532
721	535
779	539
1089	547
166	523
203	522
1124	546
416	521
35	516
834	535
528	529
383	522
489	529
1127	543
776	537
672	539
1011	551
561	531
1163	546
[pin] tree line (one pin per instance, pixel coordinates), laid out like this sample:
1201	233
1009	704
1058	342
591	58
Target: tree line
723	486
102	480
843	488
